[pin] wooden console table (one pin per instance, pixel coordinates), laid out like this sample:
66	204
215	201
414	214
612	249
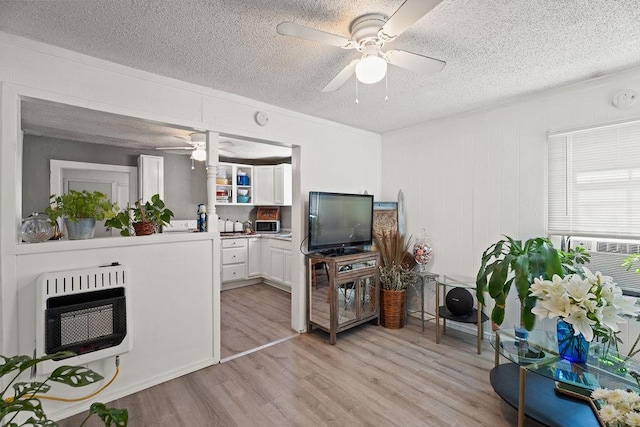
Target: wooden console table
350	297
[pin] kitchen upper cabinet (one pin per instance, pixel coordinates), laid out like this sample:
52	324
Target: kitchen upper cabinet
282	176
234	184
150	177
263	191
272	185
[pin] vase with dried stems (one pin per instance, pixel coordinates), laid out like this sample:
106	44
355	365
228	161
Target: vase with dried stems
396	273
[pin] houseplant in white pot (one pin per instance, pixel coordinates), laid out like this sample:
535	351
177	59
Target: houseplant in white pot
80	210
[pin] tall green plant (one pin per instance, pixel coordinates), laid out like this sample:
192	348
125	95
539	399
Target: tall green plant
20	401
509	261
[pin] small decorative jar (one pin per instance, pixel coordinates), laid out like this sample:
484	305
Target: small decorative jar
422	250
36	228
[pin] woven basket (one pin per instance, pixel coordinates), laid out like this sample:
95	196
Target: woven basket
392	307
144	228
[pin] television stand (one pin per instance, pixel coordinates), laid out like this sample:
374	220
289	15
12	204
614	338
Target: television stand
341	252
349	297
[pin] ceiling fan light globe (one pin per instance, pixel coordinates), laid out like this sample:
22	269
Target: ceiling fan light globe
199	155
371	69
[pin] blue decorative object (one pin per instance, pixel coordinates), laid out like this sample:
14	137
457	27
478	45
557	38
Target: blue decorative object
573	348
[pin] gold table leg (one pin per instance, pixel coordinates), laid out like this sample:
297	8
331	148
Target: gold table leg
437	313
479	328
521	388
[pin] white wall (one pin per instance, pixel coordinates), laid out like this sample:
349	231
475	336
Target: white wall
326	156
471	178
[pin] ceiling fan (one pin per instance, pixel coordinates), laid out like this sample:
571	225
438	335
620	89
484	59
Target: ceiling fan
198	145
369	33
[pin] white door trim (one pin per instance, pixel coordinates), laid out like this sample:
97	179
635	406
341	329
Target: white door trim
56	185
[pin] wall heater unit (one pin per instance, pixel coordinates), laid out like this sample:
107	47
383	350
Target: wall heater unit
84	311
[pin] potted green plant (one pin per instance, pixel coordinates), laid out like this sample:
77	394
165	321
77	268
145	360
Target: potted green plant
145	218
396	273
20	405
80	211
509	261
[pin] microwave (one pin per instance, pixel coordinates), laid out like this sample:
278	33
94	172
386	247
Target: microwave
267	226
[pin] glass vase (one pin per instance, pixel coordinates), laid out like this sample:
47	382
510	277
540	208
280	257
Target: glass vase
422	251
573	348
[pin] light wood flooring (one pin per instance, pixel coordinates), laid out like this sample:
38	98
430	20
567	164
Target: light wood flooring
252	316
371	377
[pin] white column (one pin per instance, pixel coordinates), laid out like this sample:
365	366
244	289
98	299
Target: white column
213	141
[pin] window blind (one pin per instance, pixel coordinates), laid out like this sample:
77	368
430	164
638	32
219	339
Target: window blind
594	182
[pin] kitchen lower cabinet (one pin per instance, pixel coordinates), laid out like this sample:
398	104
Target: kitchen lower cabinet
254	260
234	259
278	265
251	258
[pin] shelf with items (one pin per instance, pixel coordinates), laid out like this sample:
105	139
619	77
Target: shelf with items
234	184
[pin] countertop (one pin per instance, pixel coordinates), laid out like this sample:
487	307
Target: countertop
279	236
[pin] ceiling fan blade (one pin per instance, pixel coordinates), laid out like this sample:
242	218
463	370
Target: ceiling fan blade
301	32
406	15
174	148
414	62
342	77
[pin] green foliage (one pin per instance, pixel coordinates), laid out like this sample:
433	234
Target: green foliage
632	259
22	399
80	204
396	263
509	261
153	211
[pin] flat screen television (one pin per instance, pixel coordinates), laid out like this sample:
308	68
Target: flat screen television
339	221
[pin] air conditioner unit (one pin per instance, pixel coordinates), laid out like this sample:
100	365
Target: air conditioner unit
607	257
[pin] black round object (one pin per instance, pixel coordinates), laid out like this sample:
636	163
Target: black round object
459	301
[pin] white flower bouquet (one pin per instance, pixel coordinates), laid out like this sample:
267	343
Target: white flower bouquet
621	408
593	304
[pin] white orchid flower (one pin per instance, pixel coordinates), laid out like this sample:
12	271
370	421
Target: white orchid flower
578	289
608	317
627	305
539	288
581	324
591	305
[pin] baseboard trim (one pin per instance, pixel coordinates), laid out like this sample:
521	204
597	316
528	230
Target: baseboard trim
107	397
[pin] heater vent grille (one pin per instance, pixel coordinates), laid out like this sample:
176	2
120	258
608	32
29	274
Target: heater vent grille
76	281
84	311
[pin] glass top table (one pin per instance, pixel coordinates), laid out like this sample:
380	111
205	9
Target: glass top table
604	367
476	316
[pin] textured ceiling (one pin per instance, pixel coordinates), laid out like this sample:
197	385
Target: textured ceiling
53	120
495	49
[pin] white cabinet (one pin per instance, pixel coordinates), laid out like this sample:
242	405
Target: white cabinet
234	259
150	177
272	185
254	261
236	187
278	267
254	257
263	185
282	185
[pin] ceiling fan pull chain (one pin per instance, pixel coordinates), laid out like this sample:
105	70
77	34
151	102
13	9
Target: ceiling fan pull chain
386	87
193	166
356	91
